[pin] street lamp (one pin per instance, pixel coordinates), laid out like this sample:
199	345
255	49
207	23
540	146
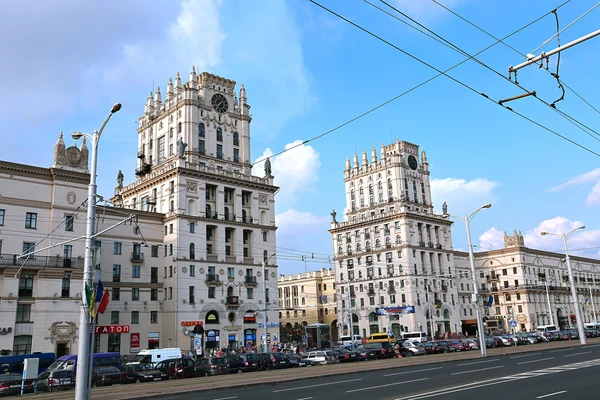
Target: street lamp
264	272
476	300
564	237
82	384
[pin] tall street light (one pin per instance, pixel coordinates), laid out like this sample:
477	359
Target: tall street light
564	237
82	383
264	272
476	299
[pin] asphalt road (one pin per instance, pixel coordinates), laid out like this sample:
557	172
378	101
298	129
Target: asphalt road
571	373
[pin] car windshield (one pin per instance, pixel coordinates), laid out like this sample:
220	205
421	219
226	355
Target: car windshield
141	367
106	370
56	365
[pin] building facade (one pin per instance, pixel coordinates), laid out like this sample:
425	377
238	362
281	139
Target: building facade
394	259
307	299
200	232
529	286
219	220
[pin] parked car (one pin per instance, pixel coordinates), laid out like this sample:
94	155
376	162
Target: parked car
10	384
381	349
449	346
180	368
142	373
240	363
415	348
322	356
274	361
211	366
345	355
105	376
432	347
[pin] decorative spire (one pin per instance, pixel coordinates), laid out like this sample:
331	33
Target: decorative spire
347	163
193	77
382	152
365	160
60	141
158	96
355	160
243	94
170	87
177	81
423	156
373	155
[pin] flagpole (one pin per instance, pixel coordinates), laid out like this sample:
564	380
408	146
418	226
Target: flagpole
593	306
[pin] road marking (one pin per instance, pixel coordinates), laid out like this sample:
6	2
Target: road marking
551	394
532	361
558	351
305	398
477	370
413	372
477	362
577	354
317	385
227	398
527	355
386	385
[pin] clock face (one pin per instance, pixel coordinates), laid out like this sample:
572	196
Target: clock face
219	103
412	162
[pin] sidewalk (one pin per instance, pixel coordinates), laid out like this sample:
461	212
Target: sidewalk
159	389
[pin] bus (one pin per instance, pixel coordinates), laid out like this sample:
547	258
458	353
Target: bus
415	336
14	364
100	360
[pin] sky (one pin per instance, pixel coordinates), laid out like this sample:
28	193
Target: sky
306	72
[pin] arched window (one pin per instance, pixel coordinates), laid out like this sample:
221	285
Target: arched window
192	251
380	185
368	245
226	213
172	206
389	184
201	130
230	291
398	240
341	277
265	256
212	317
370	189
303	301
388	241
340	250
349	249
171	249
208	211
179	128
236	139
171	132
352	194
446	314
372	317
357	246
377	243
219	135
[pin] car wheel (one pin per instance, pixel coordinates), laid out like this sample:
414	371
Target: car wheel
240	371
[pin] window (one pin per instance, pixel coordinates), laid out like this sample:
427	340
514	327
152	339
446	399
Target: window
67	251
26	285
201	147
192	251
69	222
116	295
66	285
161	149
211	292
154	317
22	345
135	317
154	251
192	270
153	294
116	273
219	135
191	298
135	294
114	342
28	247
135	271
230	272
23	313
114	317
192	227
250	293
236	139
2	213
201	130
236	155
171	293
31	220
220	151
117	248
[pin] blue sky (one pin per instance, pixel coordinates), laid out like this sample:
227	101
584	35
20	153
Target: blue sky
306	72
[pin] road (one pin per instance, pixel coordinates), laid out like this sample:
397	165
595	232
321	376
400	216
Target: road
557	374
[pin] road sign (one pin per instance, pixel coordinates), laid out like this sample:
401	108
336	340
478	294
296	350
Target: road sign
513	323
304	338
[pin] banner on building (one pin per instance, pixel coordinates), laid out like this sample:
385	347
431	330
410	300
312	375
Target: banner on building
395	310
134	343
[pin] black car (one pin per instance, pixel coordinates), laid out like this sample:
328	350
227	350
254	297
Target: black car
104	376
345	355
10	384
142	373
180	368
380	350
239	363
55	380
274	361
212	366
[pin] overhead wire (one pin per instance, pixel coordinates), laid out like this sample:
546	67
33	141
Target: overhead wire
585	128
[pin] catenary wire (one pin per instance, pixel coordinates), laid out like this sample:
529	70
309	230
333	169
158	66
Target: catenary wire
456	80
585	128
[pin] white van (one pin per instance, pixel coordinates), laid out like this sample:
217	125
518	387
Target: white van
592	325
155	356
347	340
414	336
546	328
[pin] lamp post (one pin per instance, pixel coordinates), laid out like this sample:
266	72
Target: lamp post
476	300
564	237
351	324
82	384
265	319
548	300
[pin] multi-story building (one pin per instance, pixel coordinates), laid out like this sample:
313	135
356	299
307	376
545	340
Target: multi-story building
192	254
219	220
394	259
307	299
530	286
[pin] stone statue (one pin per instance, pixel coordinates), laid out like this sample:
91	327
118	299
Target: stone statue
181	147
268	167
333	214
445	208
120	178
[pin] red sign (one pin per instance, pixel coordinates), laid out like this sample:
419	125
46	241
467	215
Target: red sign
112	329
191	323
134	343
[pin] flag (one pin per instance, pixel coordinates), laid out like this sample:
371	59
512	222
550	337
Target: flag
90	297
103	303
99	291
587	303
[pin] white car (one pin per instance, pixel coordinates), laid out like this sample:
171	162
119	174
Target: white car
415	348
322	357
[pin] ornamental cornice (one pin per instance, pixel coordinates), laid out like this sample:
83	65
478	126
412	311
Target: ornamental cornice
174	217
348	225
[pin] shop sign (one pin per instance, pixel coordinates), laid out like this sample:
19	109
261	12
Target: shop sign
232	338
249	318
269	325
191	323
211	317
134	343
5	331
112	329
212	335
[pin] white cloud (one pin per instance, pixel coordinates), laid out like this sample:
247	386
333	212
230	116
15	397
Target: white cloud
591	176
462	196
296	171
491	239
593	198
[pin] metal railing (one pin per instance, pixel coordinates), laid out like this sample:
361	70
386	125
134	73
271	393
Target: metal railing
41	261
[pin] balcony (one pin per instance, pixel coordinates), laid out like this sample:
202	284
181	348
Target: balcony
430	245
41	261
151	200
143	170
352	294
140	154
391	290
444	288
232	301
438	246
137	257
371	291
421	243
212	279
437	303
250	280
25	292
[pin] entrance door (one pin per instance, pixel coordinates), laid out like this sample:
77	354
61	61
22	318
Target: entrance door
62	349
